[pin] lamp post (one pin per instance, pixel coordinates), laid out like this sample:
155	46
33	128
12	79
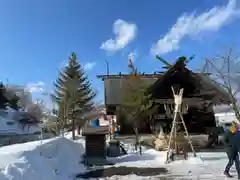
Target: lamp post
41	136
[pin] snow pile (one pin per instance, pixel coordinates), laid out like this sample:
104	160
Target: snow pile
55	159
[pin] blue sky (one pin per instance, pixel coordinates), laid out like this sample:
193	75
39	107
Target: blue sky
37	37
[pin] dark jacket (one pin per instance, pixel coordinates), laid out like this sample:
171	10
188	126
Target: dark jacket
230	140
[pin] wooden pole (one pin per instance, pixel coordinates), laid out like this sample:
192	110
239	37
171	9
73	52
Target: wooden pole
177	112
186	131
170	138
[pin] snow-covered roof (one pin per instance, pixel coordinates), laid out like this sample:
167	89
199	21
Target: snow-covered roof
222	109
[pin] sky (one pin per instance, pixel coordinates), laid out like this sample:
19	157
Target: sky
37	37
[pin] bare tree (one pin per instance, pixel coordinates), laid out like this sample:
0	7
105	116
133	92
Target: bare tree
36	110
135	102
24	95
26	102
224	69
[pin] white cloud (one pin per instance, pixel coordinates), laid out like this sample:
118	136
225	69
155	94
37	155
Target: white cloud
124	31
89	66
191	25
35	87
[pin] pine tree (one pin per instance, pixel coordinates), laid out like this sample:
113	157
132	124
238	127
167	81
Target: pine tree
8	98
73	94
3	99
14	102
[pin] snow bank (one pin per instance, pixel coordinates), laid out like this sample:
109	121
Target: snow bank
55	159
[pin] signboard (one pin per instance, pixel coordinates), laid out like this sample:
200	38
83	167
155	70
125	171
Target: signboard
162	116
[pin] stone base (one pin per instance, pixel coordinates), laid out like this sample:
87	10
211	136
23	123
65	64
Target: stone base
180	156
115	149
161	142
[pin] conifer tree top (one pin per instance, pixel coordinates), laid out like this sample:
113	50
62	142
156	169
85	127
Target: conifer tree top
73	56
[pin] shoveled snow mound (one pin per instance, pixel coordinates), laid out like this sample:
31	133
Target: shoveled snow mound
55	159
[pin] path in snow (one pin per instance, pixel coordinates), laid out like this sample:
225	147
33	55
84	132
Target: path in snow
122	171
207	165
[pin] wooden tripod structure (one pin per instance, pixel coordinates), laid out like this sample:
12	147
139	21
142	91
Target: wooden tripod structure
177	118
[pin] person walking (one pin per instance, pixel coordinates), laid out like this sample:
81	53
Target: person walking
230	141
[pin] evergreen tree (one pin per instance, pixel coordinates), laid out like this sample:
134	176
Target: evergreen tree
73	94
8	98
14	102
3	99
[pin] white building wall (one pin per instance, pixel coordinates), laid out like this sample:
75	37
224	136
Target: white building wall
226	117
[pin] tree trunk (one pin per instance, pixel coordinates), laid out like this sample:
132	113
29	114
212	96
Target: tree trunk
78	130
57	129
136	138
73	128
135	128
235	108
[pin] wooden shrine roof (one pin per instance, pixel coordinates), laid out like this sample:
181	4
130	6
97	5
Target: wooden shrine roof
202	81
115	83
141	76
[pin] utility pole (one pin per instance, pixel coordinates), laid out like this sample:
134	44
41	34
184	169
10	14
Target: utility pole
7	83
107	66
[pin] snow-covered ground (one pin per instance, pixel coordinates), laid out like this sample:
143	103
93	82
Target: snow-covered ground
204	166
58	159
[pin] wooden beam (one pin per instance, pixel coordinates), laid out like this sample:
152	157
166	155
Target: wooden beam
185	100
117	76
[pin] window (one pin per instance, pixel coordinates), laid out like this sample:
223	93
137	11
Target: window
10	123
